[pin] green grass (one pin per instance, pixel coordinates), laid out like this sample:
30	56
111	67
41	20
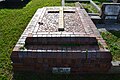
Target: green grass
89	8
70	4
113	40
12	24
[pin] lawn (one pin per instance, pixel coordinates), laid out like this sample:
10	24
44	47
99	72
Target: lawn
113	40
89	8
12	24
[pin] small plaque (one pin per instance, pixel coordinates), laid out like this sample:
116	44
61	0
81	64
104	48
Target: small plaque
111	17
65	70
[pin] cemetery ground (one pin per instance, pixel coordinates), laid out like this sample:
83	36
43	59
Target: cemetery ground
12	24
89	8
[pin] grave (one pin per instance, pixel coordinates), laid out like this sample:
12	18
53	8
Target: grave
110	11
61	40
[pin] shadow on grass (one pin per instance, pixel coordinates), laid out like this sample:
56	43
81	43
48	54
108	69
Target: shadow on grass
13	5
37	76
115	33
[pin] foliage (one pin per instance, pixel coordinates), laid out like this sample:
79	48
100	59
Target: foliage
12	24
113	40
89	8
70	4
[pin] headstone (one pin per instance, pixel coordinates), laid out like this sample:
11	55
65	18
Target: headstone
110	11
61	40
116	1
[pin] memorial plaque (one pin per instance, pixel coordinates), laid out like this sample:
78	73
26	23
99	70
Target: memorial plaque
61	70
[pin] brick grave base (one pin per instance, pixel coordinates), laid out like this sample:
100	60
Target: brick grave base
61	40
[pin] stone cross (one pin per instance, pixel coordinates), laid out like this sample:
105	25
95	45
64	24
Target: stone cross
61	20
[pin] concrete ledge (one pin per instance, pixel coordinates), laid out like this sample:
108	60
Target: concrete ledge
95	17
115	69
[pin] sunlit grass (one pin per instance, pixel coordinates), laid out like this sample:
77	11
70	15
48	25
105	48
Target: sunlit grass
12	24
113	40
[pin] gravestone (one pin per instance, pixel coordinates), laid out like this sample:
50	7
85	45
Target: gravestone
110	11
116	1
61	40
